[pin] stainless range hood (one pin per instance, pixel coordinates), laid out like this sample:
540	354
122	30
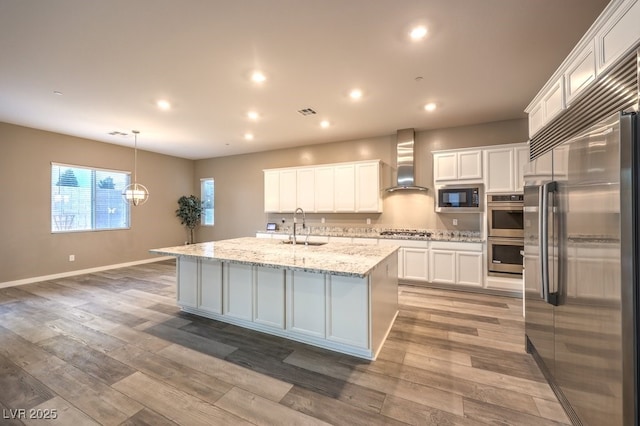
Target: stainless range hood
406	169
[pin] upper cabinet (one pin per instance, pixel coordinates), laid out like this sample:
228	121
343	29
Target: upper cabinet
614	34
457	166
504	168
330	188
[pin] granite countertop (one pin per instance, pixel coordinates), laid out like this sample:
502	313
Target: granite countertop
434	234
333	258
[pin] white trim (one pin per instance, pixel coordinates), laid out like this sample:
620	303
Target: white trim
82	271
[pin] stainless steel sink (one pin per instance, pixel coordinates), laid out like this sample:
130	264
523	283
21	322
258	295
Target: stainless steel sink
302	243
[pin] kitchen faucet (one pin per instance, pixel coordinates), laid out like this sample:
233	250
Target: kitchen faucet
304	225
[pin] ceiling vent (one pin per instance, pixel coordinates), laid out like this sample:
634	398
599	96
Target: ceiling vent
117	133
307	111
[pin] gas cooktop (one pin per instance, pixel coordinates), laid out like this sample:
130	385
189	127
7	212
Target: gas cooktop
406	233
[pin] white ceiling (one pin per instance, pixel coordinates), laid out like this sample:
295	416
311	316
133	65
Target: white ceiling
482	61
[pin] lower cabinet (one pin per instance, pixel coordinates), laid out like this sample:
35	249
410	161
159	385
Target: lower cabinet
456	263
415	263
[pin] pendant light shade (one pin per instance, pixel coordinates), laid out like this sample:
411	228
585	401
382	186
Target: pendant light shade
136	194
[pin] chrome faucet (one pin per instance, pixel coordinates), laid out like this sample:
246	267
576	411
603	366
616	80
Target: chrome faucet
304	225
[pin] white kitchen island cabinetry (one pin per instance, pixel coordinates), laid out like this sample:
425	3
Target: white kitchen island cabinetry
342	297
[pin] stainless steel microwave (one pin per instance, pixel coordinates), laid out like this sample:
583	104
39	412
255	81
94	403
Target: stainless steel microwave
459	199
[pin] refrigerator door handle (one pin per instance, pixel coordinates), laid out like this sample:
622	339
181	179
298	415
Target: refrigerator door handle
543	216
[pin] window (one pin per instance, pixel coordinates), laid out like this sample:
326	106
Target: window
86	199
206	195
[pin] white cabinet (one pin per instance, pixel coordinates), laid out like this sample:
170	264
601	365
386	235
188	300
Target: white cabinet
210	297
618	35
306	303
187	276
521	155
288	190
456	263
269	309
612	36
271	190
348	314
415	263
305	189
500	172
580	73
457	166
345	188
238	290
324	185
504	168
367	189
333	188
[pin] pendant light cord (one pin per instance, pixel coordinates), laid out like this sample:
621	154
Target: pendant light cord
135	156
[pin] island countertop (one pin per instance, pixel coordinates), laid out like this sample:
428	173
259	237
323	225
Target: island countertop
356	260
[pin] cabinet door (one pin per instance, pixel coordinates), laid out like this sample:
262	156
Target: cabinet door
536	121
553	100
344	188
580	73
210	287
288	190
469	268
470	165
442	266
269	301
187	272
522	162
305	189
445	166
271	191
238	291
620	33
324	185
416	263
348	310
499	170
306	303
367	189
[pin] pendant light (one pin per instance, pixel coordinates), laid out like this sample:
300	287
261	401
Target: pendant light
135	194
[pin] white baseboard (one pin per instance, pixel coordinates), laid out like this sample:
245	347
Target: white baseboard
82	271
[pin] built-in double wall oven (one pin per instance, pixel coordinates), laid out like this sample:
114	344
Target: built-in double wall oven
505	228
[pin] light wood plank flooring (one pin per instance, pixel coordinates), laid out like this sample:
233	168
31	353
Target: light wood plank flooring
112	348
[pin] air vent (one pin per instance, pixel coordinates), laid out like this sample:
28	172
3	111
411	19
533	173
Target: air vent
307	111
117	133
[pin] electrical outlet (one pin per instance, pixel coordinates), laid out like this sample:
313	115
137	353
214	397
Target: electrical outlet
455	222
322	220
72	258
368	221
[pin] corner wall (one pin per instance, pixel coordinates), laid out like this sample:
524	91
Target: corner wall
29	249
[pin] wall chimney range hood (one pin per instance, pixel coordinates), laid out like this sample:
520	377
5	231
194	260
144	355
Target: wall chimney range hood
406	167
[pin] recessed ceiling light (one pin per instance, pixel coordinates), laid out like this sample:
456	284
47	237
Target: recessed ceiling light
163	104
324	124
258	77
356	94
248	136
418	33
56	92
431	106
252	115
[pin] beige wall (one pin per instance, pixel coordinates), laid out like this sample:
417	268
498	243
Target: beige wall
29	249
239	198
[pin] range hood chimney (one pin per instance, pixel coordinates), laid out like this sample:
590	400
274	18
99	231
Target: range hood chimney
406	167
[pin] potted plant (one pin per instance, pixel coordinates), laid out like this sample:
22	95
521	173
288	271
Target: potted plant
189	212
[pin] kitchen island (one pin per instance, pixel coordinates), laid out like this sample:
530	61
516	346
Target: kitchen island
338	296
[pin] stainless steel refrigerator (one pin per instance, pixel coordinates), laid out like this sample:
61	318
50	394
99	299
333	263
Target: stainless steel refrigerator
581	270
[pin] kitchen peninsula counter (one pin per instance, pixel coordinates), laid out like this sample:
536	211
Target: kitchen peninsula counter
338	296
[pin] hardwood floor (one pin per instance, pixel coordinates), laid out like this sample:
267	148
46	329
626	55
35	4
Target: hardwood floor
112	348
